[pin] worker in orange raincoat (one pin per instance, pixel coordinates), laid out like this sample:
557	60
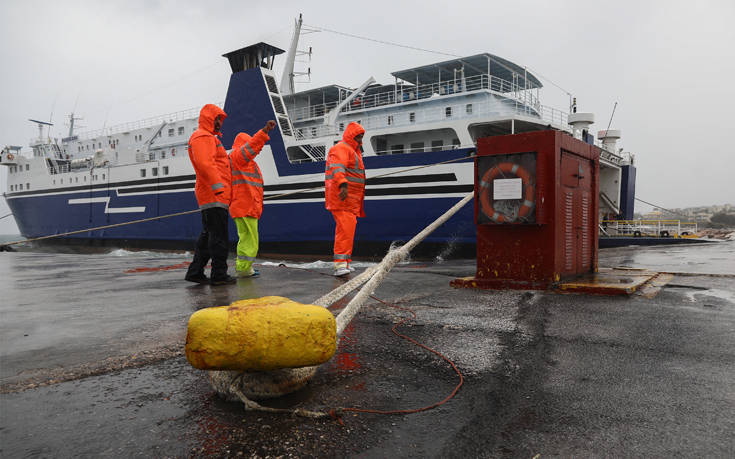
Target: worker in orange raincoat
247	196
345	192
213	193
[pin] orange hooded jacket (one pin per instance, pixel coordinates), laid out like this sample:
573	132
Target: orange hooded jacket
247	181
344	165
210	161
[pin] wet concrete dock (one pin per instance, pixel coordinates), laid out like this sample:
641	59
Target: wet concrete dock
92	364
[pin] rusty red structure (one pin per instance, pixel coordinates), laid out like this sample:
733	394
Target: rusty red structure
536	210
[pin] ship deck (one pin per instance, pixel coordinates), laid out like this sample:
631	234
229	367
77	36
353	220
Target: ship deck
92	363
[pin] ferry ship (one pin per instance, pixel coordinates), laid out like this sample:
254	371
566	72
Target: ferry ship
428	114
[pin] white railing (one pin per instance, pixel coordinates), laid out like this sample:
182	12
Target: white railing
649	228
191	113
310	111
411	94
462	111
314	132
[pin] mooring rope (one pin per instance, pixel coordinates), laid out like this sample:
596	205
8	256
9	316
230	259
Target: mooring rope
178	214
389	261
237	383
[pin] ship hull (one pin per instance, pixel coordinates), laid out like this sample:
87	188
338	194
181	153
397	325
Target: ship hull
292	227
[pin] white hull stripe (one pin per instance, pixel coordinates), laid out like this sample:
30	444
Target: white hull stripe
108	209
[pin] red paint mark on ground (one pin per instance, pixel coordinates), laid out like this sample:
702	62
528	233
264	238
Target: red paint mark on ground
182	265
347	361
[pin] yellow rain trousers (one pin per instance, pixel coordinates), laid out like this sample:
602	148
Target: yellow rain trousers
247	245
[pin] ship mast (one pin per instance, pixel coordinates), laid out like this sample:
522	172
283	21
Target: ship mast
71	124
287	83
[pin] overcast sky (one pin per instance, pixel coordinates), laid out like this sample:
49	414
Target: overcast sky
668	64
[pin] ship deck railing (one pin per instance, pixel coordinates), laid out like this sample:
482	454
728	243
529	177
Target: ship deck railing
191	113
397	151
458	111
410	94
648	228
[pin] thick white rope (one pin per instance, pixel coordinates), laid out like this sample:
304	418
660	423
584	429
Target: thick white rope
390	260
333	296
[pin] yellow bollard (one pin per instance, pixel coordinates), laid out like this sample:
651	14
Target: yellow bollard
260	334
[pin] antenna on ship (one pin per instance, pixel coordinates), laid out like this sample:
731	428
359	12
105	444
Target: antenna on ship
287	80
72	118
41	124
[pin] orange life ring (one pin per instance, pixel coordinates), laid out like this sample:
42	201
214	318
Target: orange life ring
10	157
487	178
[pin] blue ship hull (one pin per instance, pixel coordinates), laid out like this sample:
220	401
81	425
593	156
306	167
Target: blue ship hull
290	224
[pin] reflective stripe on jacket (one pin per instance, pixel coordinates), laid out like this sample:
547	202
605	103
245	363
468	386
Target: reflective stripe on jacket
210	161
247	180
344	165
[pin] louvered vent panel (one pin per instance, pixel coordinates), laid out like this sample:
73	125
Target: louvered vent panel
285	126
271	82
568	231
278	105
586	254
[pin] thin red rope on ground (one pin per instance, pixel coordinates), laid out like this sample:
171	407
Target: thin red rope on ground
335	412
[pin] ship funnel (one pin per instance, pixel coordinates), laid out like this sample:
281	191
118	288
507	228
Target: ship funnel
609	139
580	123
258	55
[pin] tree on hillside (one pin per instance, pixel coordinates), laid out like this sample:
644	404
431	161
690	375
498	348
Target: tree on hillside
723	218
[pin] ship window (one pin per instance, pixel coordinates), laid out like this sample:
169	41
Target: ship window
85	178
142	172
469	109
154	172
163	153
21	186
381	145
28	186
181	130
455	142
341	127
390	120
103	176
28	166
397	148
76	179
436	145
417	147
412	117
313	132
171	132
165	170
448	112
54	181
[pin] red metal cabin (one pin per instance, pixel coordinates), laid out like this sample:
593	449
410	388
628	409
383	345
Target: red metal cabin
536	210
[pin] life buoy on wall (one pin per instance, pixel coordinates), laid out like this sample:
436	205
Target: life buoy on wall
486	183
10	157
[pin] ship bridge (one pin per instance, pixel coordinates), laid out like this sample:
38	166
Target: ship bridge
471	68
